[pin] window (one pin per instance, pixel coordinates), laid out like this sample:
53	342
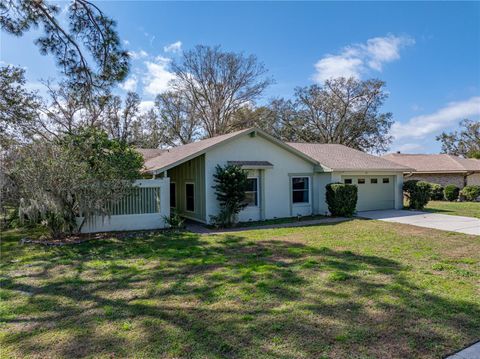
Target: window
347	181
190	197
361	181
173	195
251	194
386	180
300	188
373	180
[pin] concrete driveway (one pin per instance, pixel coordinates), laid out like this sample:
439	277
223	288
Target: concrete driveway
444	222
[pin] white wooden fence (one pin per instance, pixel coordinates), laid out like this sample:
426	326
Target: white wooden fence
145	208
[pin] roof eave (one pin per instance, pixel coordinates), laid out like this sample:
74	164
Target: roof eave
402	170
246	132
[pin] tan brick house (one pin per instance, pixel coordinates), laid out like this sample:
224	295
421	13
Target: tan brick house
439	168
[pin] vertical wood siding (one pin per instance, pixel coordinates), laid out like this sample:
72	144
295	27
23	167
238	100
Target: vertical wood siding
192	171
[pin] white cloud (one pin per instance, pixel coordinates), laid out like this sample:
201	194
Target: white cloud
138	55
421	126
130	84
175	47
337	66
158	77
146	105
126	42
356	59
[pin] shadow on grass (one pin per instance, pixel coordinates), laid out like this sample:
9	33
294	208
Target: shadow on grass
184	295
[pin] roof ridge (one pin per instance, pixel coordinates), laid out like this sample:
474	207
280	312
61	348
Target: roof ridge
455	160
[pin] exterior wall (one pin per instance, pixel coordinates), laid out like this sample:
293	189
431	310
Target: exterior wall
473	179
440	178
371	197
255	212
275	199
132	222
320	181
192	171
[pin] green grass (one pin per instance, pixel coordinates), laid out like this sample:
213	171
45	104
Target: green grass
468	209
357	289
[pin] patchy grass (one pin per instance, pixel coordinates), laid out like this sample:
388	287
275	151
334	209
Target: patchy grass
283	220
357	289
467	209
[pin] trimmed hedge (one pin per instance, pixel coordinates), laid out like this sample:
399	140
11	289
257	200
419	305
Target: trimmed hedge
436	192
451	192
418	193
341	199
470	193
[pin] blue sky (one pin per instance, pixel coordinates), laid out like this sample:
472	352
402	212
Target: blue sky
428	53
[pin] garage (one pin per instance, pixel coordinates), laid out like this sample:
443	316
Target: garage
374	192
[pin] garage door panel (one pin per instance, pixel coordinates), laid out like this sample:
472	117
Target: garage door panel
374	192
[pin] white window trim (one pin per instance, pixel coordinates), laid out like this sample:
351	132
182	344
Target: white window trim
258	193
309	191
194	192
176	197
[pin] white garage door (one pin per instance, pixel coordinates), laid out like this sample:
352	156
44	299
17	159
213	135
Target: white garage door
374	192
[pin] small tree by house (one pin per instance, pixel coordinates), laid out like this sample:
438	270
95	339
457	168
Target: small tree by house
230	186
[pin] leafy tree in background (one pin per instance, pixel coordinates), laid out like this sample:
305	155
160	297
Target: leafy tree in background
217	84
177	118
87	49
343	111
465	143
18	106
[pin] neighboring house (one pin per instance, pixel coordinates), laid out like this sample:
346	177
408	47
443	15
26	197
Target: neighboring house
285	179
442	169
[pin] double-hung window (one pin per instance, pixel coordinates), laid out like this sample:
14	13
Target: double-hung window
251	194
300	189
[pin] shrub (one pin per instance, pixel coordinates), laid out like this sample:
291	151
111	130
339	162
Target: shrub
341	199
451	192
231	182
175	221
470	193
436	192
418	193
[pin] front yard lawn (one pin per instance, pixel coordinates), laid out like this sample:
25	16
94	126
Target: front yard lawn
467	209
357	289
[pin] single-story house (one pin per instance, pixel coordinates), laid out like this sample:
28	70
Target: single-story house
439	168
286	179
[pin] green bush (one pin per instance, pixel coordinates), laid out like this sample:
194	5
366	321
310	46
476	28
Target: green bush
470	193
451	192
175	221
231	182
341	199
418	193
436	192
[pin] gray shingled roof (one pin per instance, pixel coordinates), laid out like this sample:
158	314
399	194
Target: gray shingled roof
251	163
435	163
149	153
334	157
343	158
172	156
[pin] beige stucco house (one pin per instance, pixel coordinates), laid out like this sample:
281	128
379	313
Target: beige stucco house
286	179
439	168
